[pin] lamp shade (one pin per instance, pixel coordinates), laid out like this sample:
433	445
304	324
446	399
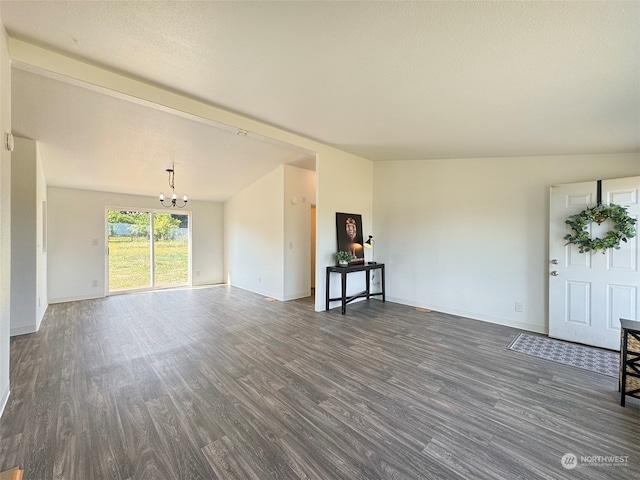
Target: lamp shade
368	244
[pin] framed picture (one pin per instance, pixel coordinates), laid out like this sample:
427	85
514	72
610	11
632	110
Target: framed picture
349	229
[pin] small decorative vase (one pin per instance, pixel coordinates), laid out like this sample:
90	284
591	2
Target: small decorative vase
343	264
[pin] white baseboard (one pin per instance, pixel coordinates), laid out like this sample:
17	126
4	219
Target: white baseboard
507	322
295	296
22	331
204	283
73	299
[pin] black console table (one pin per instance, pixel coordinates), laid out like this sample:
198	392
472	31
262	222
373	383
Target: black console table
629	359
344	271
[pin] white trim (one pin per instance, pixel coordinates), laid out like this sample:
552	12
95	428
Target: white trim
205	283
257	292
74	299
4	398
39	320
22	331
295	296
531	327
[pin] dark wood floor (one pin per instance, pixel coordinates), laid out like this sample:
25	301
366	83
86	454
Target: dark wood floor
220	383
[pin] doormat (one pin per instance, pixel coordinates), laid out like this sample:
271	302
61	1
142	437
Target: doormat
588	358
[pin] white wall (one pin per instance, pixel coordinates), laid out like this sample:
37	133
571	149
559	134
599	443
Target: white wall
77	240
299	194
344	184
470	236
254	236
28	275
5	217
267	234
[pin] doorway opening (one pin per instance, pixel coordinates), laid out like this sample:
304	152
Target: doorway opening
147	250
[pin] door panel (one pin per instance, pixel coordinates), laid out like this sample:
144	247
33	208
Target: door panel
129	258
171	249
621	303
147	250
589	292
578	302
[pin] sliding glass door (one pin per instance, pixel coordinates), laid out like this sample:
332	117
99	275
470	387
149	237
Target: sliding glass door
147	250
171	249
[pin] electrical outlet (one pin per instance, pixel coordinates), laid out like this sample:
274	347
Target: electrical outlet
518	307
94	283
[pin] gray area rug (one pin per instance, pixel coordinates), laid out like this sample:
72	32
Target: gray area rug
580	356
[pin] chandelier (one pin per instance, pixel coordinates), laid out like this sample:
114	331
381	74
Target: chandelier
174	197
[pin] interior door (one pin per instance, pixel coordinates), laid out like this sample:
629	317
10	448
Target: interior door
589	292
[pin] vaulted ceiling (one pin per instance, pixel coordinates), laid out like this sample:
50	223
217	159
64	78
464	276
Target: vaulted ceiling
384	80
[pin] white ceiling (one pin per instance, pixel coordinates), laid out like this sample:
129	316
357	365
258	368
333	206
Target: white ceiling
91	140
384	80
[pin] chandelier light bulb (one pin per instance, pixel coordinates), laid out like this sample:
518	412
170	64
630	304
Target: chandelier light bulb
174	197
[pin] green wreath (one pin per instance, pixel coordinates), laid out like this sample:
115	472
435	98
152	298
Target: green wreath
623	228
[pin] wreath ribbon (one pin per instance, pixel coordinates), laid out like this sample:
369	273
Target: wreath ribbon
623	228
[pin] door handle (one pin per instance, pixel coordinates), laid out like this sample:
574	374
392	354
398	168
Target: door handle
554	274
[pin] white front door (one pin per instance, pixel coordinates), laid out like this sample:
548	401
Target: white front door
589	292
